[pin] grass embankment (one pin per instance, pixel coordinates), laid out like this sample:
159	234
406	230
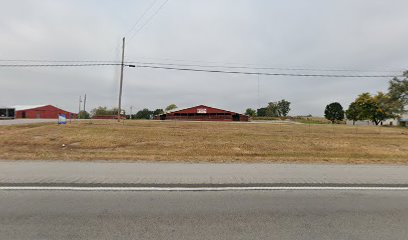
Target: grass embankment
211	142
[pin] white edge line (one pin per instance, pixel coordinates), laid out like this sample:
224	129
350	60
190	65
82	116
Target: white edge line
181	189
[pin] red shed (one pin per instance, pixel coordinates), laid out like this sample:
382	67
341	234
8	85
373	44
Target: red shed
203	113
41	111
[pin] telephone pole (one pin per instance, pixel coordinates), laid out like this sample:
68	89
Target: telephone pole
84	102
79	108
121	79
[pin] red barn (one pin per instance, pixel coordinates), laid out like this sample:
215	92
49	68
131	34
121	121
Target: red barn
202	113
41	111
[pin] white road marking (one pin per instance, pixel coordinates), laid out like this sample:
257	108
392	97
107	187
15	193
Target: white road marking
181	189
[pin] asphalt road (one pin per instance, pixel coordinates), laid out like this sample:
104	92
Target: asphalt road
103	172
25	121
204	215
344	213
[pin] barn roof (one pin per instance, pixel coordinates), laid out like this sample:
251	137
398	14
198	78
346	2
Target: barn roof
26	107
201	106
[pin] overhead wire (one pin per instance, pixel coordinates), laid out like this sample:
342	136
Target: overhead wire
141	17
267	73
148	20
263	68
59	65
206	66
256	66
201	70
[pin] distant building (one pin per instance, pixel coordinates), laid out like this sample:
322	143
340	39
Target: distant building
202	113
41	111
403	121
7	113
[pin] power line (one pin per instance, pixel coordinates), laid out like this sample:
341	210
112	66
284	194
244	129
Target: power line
59	61
141	17
149	19
59	65
267	73
205	66
202	70
255	66
261	68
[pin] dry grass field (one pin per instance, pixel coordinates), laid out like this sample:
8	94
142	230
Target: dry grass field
210	142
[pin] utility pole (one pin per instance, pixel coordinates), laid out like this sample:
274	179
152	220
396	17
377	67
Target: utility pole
131	107
79	109
259	106
121	79
84	102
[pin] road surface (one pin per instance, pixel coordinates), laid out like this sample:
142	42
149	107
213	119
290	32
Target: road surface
25	121
104	172
372	212
204	215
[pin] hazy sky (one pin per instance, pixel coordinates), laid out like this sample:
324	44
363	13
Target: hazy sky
365	35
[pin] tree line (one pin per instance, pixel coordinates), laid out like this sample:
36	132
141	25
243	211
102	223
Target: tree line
376	108
274	109
144	113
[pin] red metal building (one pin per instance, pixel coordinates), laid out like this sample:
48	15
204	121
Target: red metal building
41	111
202	113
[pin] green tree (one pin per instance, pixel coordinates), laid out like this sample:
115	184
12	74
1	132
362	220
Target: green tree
272	110
144	114
375	108
353	112
398	92
104	111
334	112
100	111
158	111
386	107
250	112
83	115
114	111
171	107
283	108
261	112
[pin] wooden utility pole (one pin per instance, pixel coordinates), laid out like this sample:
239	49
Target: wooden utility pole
79	108
84	102
121	79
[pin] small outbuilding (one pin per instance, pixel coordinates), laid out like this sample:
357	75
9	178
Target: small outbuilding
202	113
404	122
41	111
7	113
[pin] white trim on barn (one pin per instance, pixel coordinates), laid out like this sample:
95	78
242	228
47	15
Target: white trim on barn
27	107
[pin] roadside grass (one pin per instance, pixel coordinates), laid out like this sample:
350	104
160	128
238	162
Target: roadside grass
308	120
205	141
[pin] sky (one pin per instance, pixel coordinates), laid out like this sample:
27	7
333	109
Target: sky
367	36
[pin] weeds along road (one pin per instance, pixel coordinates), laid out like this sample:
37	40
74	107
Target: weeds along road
204	215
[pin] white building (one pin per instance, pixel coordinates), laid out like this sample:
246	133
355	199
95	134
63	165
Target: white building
403	121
